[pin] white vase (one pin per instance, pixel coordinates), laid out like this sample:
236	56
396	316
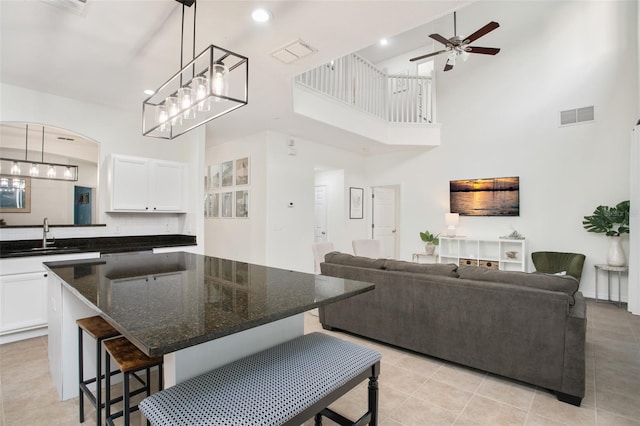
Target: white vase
430	248
615	257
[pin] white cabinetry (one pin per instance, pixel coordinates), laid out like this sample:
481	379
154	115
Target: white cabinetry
23	296
138	184
485	253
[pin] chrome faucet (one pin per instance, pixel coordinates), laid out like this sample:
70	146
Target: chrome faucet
45	230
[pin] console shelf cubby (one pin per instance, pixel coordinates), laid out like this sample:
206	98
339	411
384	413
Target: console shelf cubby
488	253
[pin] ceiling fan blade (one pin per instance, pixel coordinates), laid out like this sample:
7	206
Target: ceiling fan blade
417	58
482	31
483	50
441	39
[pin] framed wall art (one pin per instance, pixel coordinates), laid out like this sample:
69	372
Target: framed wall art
226	173
356	200
242	171
242	203
226	209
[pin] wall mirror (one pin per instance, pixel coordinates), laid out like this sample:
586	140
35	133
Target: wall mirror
38	184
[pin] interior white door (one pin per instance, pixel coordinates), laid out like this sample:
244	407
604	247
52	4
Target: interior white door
384	220
320	230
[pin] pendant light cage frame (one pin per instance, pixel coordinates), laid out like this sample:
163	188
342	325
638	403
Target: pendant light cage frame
218	82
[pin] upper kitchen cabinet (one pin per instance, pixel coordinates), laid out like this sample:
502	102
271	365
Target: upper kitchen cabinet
146	185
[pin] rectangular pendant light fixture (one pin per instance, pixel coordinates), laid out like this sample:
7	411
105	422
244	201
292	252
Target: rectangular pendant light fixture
212	84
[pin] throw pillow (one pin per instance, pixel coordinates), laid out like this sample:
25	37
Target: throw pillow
350	260
566	284
444	269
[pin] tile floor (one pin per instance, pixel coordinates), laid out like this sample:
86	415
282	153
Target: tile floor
414	389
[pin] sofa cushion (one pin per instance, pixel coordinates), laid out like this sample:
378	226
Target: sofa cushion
351	260
443	269
566	284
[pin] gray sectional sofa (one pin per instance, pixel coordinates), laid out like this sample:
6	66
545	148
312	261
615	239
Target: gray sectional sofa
526	326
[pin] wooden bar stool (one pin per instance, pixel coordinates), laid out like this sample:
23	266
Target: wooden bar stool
130	360
97	328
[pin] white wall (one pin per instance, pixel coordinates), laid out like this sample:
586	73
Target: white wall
117	131
500	118
276	234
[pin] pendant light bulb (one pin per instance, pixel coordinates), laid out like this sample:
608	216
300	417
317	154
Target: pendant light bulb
15	168
185	97
33	171
67	173
220	86
201	93
51	172
163	118
173	110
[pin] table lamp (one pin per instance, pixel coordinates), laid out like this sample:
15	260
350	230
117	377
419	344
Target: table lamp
451	219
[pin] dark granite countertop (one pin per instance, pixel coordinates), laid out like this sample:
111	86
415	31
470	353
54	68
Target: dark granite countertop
166	302
22	248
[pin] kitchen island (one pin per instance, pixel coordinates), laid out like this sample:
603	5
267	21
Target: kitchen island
198	312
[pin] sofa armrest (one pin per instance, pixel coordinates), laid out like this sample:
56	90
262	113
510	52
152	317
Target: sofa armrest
573	381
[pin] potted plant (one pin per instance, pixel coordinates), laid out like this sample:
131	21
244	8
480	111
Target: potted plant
431	241
613	222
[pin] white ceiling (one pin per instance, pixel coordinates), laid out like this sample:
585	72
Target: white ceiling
114	49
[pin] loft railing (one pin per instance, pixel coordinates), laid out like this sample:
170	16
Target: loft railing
355	81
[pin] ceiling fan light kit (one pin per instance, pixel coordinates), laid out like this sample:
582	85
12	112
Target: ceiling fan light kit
212	84
457	46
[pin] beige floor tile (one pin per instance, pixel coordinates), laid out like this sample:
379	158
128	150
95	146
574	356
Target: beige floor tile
536	420
404	380
487	411
422	365
546	405
444	395
508	392
625	404
415	412
461	377
605	418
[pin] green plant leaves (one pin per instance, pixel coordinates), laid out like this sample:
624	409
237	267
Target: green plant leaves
612	221
428	237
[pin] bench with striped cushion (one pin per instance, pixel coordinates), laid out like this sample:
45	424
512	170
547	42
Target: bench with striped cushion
286	384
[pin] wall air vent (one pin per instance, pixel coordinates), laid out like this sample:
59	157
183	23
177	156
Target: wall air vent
577	116
293	51
74	6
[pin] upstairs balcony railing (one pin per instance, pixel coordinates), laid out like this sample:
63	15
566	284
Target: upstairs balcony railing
355	81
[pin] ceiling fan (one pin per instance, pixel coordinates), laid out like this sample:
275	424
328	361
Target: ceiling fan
458	46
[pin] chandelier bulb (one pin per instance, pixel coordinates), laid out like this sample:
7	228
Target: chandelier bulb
51	172
33	171
173	110
220	86
185	97
15	168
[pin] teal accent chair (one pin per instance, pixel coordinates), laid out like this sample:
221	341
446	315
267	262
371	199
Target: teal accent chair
552	262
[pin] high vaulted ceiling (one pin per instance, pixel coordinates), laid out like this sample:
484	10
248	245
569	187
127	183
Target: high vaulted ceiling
114	49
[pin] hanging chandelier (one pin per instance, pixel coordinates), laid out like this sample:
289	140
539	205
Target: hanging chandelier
212	84
37	169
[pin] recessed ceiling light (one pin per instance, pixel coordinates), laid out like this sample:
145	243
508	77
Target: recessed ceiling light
384	42
149	92
260	15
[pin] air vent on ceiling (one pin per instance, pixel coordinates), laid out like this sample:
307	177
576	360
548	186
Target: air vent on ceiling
75	6
293	51
577	116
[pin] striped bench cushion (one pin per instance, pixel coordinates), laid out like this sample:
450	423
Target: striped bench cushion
266	388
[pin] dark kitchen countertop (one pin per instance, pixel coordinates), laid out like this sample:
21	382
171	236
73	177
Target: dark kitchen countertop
167	302
104	245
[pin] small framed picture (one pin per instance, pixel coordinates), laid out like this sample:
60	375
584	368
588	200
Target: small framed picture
214	176
226	209
242	171
242	203
215	205
356	200
226	173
